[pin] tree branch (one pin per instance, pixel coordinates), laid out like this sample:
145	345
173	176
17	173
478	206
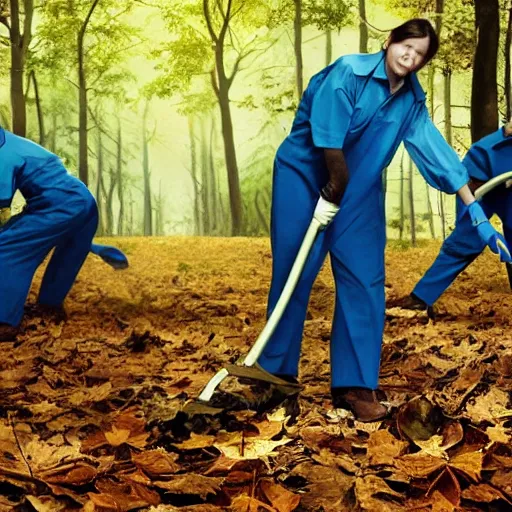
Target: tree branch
27	26
206	11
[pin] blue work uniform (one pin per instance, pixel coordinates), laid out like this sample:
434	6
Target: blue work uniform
348	106
60	214
486	159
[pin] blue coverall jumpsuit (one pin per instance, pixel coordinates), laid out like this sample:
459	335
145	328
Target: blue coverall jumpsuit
486	159
348	106
60	213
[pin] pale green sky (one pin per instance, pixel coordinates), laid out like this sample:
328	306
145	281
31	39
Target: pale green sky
170	152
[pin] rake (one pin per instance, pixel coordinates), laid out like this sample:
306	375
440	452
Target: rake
248	367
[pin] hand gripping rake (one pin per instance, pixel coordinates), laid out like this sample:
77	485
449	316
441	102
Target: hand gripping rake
487	187
248	367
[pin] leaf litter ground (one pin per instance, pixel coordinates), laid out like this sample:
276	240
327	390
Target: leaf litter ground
92	417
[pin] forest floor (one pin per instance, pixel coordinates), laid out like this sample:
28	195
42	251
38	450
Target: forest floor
91	408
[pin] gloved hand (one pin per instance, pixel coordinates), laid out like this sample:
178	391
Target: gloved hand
325	212
487	233
5	215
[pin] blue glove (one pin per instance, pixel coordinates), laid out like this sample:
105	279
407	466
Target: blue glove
487	233
111	255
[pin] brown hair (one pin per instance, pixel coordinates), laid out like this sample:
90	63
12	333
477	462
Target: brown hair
417	27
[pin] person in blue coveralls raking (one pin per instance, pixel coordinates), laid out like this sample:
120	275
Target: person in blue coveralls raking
60	213
487	158
349	124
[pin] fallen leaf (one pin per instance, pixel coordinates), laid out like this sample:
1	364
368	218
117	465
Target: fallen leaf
279	497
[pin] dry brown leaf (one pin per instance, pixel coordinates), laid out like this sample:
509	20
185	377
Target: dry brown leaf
418	420
236	446
74	473
44	456
453	434
503	481
279	497
128	427
327	489
469	464
195	442
331	437
125	496
418	465
47	504
58	490
367	490
499	434
268	429
135	476
221	466
117	437
245	503
440	504
156	463
191	483
484	493
11	459
448	485
326	458
489	407
433	446
91	395
384	448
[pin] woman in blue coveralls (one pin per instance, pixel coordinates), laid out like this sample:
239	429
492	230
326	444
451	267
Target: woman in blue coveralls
349	124
60	213
491	156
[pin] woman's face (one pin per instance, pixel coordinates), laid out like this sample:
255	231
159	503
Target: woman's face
406	56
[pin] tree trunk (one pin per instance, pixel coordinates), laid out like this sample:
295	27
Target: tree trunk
447	74
235	193
402	197
193	172
262	211
363	29
484	94
221	89
83	164
148	222
213	179
411	204
205	180
100	187
120	184
19	43
328	46
297	30
130	225
508	48
160	220
39	109
110	200
430	212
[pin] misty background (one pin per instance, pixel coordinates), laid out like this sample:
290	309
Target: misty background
171	111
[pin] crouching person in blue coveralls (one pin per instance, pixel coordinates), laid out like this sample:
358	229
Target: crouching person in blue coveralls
60	214
491	156
352	117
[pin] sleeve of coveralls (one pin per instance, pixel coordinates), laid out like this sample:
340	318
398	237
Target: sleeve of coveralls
476	162
434	157
332	107
8	169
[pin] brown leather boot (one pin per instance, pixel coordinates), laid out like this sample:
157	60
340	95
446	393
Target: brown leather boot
361	401
413	303
55	314
408	302
8	332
